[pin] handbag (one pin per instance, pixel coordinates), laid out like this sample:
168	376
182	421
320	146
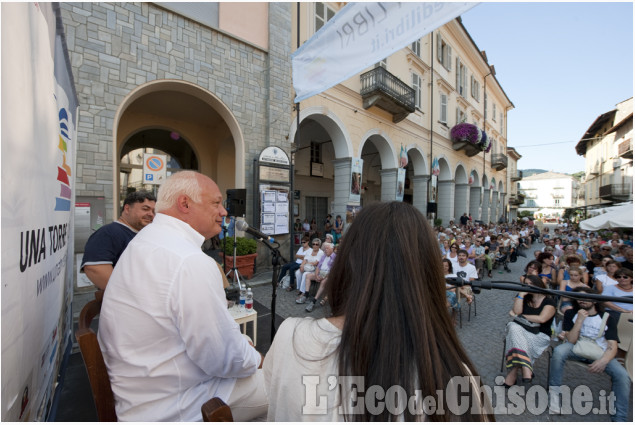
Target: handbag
309	268
532	327
587	347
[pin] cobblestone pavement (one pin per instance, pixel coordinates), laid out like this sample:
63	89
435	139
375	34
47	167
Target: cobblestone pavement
482	337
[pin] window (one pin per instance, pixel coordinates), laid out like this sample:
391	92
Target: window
461	78
475	88
416	47
460	116
501	122
557	202
316	152
485	109
444	53
323	14
493	112
444	109
416	85
382	63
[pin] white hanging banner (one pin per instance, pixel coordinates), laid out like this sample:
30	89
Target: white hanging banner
360	35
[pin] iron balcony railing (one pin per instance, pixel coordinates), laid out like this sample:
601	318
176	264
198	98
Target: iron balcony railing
380	80
622	190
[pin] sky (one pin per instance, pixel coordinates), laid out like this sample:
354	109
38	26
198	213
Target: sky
562	65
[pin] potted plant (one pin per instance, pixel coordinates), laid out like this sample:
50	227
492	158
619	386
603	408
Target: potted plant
245	256
470	138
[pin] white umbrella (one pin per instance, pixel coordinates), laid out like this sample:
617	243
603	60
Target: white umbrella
621	216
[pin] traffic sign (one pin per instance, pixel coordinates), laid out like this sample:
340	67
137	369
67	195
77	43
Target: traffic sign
154	168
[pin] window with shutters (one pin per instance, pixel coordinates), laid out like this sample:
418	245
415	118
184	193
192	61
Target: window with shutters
501	122
494	112
461	78
475	88
444	53
323	14
416	85
416	48
443	115
460	116
316	152
485	106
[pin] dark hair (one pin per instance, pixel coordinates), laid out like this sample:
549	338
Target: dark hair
138	196
388	285
599	307
536	264
596	256
544	256
449	263
534	281
625	271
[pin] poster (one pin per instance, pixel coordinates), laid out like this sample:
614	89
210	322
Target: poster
274	210
401	183
433	188
356	179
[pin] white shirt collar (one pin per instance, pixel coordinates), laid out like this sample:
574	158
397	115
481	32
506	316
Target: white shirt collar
181	226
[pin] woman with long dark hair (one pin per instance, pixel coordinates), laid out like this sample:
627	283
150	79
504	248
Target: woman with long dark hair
389	330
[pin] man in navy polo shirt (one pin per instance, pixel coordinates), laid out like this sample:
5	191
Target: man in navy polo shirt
104	247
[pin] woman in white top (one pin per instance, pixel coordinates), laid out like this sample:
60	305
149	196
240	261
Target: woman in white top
453	255
389	328
308	264
603	281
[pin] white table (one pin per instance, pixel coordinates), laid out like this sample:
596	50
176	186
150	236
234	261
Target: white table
242	317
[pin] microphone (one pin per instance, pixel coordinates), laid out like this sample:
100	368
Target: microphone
244	227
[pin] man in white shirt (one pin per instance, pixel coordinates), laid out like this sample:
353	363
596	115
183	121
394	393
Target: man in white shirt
464	269
167	338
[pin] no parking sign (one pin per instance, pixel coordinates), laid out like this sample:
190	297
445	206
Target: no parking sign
154	169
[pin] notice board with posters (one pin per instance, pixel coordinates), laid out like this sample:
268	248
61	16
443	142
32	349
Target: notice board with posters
272	203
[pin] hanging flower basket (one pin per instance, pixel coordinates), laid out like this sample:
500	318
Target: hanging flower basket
470	138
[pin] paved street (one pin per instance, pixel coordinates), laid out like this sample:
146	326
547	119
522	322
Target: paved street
482	338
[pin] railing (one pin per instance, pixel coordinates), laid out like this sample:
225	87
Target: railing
379	79
615	191
518	175
499	161
625	149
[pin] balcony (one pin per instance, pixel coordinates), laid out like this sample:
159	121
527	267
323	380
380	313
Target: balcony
616	192
557	195
625	149
382	89
518	199
518	175
499	161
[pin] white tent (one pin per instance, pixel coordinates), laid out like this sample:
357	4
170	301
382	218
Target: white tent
620	216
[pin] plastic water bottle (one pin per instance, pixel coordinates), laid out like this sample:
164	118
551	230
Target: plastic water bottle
249	301
243	296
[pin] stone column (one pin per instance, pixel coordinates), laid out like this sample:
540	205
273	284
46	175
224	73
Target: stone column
420	193
460	199
475	202
501	203
445	200
341	186
494	207
388	184
485	209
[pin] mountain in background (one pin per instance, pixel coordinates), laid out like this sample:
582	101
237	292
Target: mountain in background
531	171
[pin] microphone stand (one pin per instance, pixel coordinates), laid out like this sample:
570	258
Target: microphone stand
507	285
276	260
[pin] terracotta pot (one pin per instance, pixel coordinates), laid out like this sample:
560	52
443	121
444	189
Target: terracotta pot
244	264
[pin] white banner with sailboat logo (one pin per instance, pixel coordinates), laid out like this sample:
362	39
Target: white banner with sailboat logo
360	35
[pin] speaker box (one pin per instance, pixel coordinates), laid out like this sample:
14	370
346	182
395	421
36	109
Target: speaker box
236	199
432	207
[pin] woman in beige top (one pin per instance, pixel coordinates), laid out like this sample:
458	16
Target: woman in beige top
389	333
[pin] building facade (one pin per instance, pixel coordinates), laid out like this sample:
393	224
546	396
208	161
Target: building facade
409	101
514	175
607	147
549	194
209	85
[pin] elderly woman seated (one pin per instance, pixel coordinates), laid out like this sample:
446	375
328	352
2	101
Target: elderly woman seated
319	275
308	265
